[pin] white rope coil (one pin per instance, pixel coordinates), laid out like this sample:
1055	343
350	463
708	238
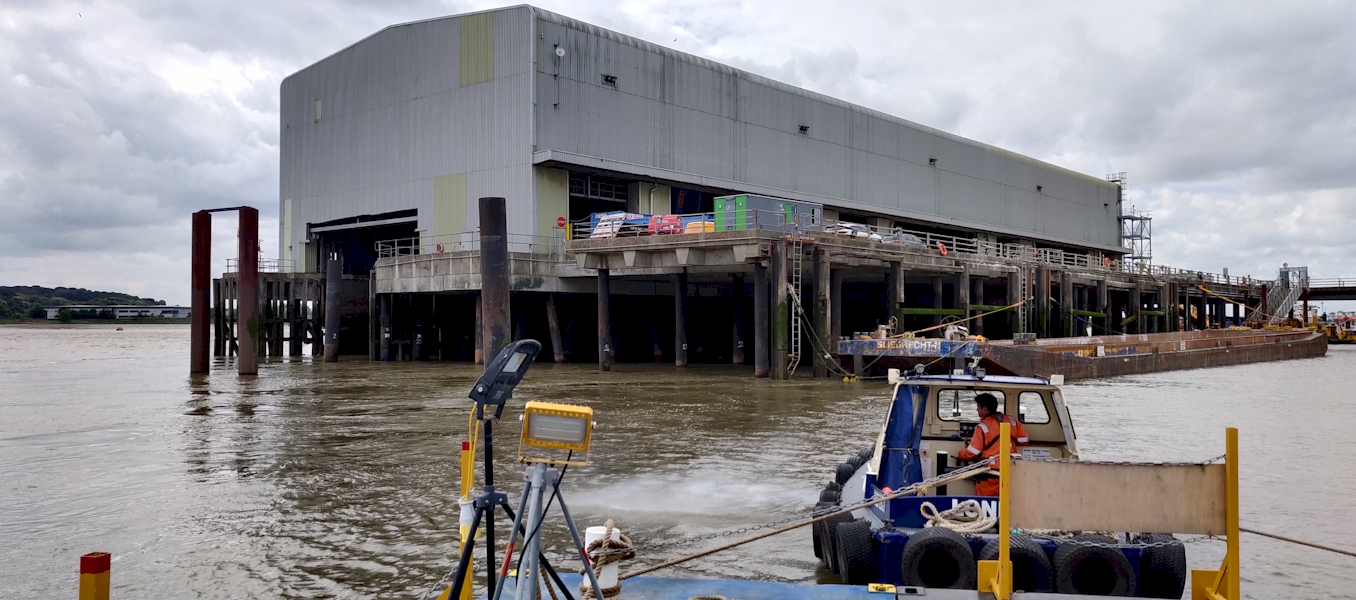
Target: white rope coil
966	517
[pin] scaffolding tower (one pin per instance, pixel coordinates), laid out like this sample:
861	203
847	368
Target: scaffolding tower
1137	226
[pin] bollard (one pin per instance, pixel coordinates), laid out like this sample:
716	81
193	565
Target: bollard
94	569
607	577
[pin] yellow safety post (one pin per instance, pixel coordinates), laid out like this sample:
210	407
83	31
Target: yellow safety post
94	569
995	576
468	475
1223	584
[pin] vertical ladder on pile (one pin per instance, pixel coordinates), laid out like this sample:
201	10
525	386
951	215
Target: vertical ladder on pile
797	257
1023	295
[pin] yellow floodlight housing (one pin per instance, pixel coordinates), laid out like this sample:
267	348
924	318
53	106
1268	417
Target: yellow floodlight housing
550	426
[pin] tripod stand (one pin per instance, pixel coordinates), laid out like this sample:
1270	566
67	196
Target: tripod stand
485	503
541	477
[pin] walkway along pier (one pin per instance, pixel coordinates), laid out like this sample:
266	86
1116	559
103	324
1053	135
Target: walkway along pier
803	297
627	296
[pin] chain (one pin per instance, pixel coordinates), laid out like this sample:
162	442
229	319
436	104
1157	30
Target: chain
1068	539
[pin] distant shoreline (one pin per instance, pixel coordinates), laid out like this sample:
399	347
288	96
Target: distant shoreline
118	322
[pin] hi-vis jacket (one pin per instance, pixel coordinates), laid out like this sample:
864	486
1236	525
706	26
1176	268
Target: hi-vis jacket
985	441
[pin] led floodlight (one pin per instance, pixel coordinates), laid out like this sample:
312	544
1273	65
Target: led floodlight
496	385
551	426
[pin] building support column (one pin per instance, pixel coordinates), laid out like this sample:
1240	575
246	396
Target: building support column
1043	301
479	349
334	278
605	349
1201	318
680	319
1065	303
835	307
736	319
977	296
781	328
894	291
218	320
1137	308
200	294
553	323
384	302
963	293
1104	305
1014	281
417	338
496	312
822	301
938	287
761	320
247	302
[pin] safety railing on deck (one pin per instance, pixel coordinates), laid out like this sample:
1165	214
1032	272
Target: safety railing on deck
1333	282
266	265
619	225
542	247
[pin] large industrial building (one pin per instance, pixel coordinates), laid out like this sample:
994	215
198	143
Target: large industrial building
390	142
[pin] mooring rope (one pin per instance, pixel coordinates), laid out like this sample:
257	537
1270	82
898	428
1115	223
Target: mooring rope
602	552
966	517
1300	542
956	475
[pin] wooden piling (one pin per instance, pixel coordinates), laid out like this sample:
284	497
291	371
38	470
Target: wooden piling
977	296
937	290
1014	296
384	306
963	292
553	323
780	326
894	289
736	319
1043	301
680	319
1104	307
247	298
822	302
605	349
762	340
200	293
417	339
835	308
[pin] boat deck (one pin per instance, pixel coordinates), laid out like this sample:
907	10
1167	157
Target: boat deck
675	588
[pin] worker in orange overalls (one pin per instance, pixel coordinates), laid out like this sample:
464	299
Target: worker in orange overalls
985	441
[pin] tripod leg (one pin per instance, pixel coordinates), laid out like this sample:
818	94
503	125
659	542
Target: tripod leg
489	554
465	562
545	566
583	555
513	537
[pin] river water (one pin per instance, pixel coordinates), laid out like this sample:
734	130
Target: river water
340	480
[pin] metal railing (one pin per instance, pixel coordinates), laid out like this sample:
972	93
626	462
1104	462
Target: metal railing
1332	282
545	247
635	225
266	265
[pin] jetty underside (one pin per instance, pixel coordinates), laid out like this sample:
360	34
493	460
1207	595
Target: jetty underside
1104	356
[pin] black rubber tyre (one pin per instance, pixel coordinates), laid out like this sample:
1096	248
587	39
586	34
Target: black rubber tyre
816	535
1162	571
1090	570
828	540
856	552
855	461
844	473
937	557
830	496
867	453
833	485
1031	571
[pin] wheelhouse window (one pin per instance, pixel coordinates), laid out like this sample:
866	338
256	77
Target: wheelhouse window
959	405
1031	408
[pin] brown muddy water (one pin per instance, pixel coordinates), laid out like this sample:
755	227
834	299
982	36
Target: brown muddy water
340	480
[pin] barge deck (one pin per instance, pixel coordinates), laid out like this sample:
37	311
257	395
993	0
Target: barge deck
1104	356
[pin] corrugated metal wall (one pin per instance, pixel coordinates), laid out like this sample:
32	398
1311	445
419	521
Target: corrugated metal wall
688	115
404	107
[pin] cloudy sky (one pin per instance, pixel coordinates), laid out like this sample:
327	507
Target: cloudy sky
1235	121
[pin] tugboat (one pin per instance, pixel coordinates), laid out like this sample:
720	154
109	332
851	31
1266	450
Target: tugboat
934	540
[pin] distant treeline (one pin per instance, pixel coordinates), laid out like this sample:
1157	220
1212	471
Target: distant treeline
29	300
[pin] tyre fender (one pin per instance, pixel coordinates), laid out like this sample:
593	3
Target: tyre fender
937	557
856	552
843	473
815	535
1162	570
1031	570
1092	570
828	540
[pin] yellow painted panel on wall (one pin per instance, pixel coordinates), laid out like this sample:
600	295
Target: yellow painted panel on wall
477	48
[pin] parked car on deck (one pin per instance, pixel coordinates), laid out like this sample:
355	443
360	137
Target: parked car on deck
904	239
855	230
